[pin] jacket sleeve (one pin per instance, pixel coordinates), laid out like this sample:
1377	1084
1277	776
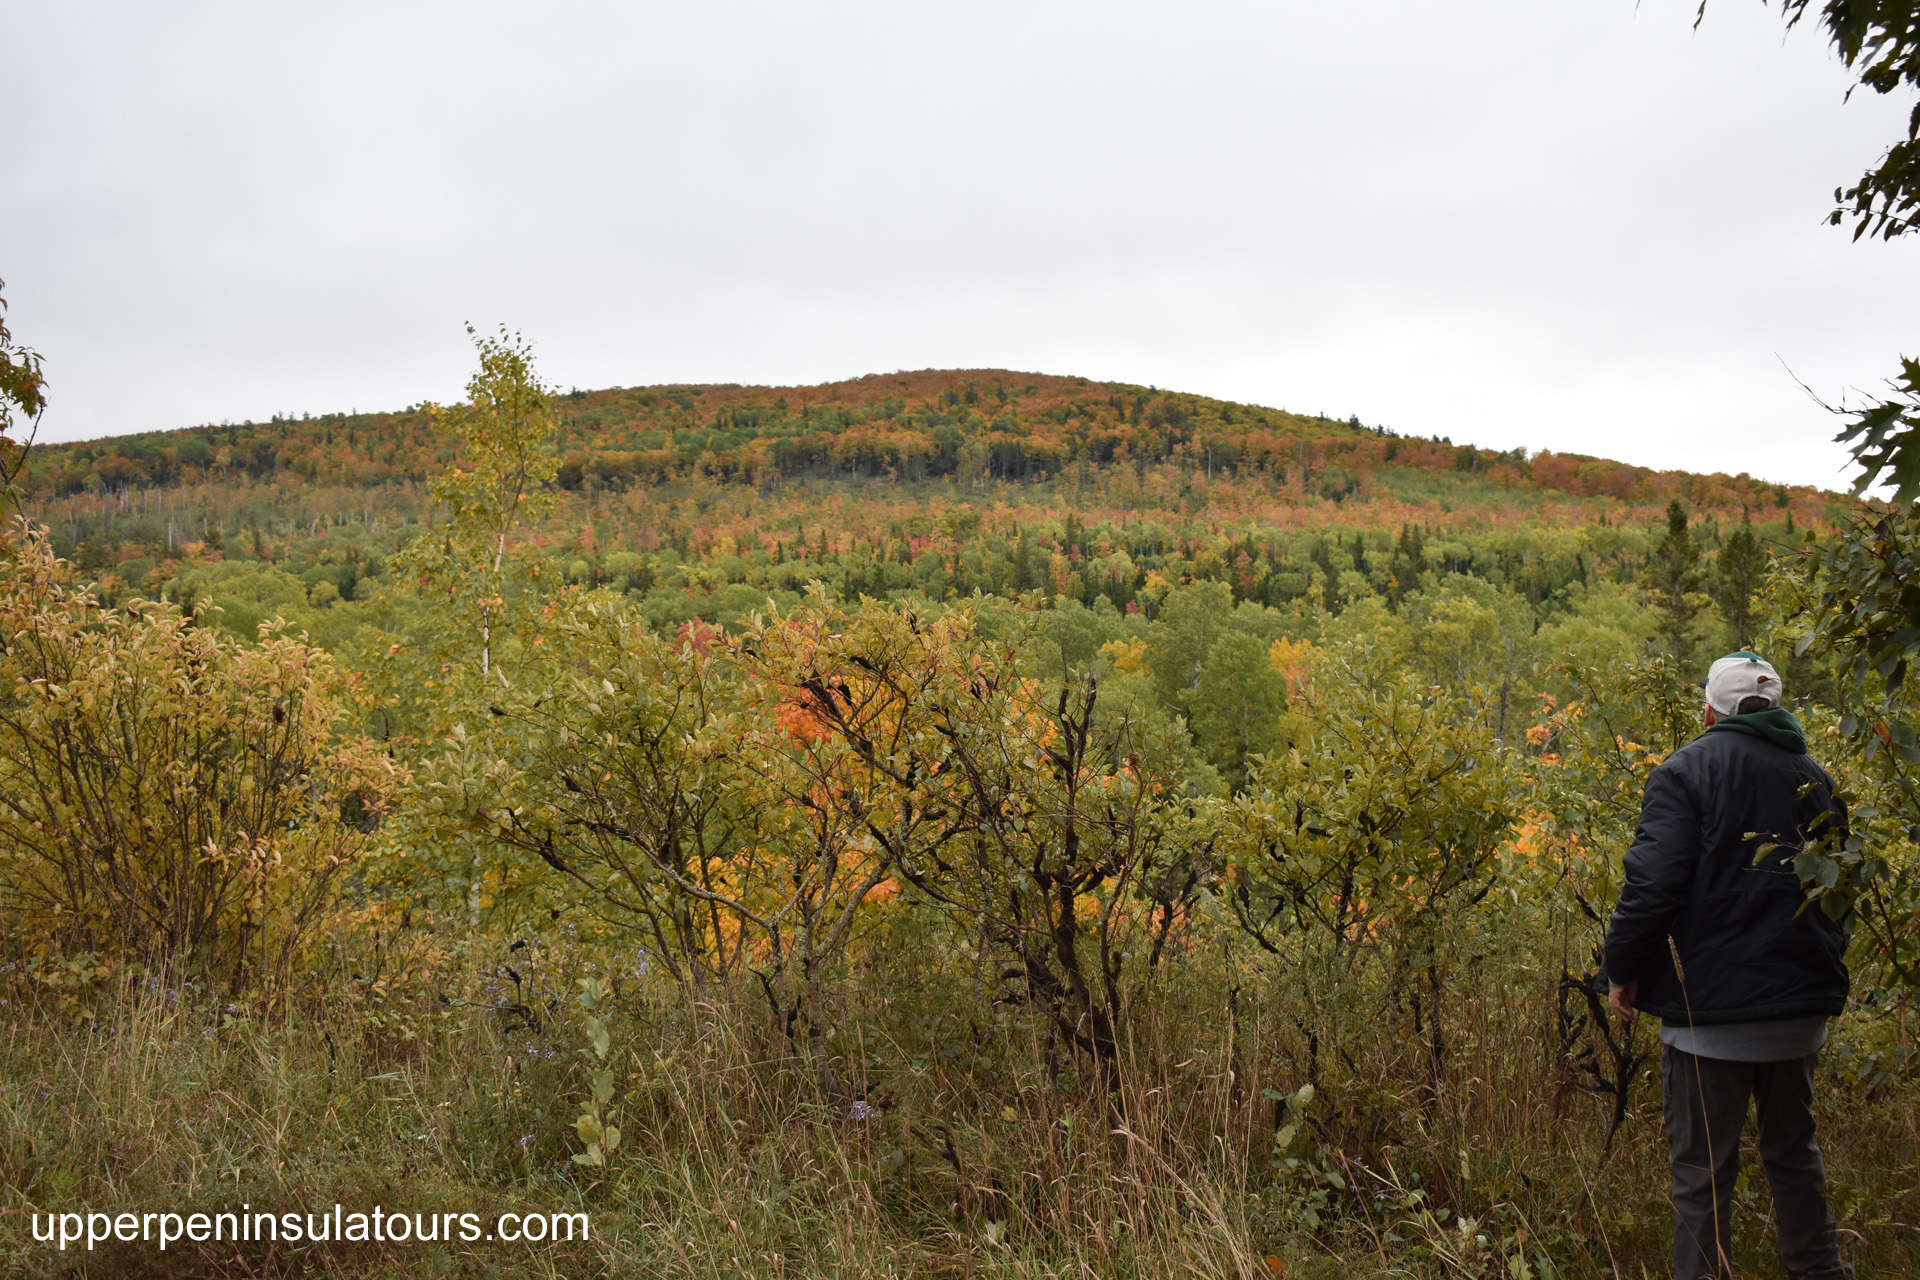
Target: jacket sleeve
1659	877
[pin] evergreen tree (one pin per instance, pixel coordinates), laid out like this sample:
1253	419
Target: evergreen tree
1673	575
1737	578
1323	558
1023	563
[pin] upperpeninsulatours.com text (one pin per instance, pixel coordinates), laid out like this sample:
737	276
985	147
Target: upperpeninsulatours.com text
245	1226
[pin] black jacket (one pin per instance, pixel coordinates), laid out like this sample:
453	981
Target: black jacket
1748	950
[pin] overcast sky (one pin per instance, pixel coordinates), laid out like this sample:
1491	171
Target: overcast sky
1566	224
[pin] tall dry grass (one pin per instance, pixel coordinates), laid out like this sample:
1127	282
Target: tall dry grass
979	1148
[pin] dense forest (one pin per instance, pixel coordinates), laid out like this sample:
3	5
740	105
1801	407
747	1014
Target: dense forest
708	502
936	824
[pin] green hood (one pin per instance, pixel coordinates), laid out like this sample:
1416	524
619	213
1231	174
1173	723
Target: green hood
1776	724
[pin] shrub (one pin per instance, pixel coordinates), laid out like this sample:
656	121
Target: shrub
167	793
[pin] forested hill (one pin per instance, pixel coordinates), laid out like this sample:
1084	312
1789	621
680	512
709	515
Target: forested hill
982	424
710	501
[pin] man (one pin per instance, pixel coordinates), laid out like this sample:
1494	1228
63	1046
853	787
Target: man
1742	980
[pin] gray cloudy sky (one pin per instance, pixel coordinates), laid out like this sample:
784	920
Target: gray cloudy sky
1566	224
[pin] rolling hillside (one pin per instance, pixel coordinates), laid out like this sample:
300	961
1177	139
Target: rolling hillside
990	424
709	500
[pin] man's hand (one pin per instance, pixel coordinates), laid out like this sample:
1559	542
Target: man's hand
1620	999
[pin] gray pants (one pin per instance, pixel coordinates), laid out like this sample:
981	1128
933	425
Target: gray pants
1706	1108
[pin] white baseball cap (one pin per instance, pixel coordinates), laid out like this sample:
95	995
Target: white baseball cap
1739	676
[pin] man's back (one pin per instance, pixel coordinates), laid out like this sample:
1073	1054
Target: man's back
1758	972
1750	946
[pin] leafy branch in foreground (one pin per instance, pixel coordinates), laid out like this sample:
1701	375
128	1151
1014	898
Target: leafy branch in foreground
602	1138
1879	41
1881	438
1860	589
1866	626
23	395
